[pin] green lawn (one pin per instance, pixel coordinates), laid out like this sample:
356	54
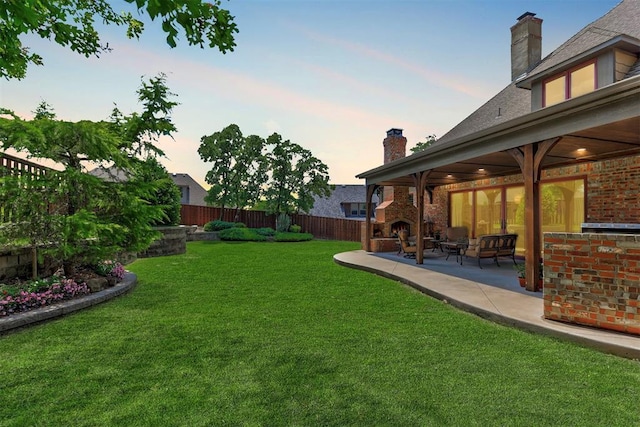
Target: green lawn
277	334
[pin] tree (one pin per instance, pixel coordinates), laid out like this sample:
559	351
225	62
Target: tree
421	146
295	177
71	23
93	218
277	175
166	194
239	168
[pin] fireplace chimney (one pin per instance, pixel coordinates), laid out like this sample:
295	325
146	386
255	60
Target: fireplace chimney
395	145
526	44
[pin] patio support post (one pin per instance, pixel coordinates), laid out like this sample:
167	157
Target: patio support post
420	181
529	157
371	188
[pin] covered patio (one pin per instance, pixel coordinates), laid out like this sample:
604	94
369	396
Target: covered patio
600	125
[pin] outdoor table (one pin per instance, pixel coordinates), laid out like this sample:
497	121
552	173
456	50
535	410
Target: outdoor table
454	248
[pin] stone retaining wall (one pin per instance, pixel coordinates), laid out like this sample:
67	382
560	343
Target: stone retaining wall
16	262
172	242
593	279
202	235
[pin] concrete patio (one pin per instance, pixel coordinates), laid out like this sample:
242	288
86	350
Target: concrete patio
491	292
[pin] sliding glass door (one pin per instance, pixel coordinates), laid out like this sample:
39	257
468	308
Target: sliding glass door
501	209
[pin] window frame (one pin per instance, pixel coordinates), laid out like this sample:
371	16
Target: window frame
567	81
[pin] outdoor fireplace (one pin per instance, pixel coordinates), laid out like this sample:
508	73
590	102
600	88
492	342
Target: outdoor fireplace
398	226
396	211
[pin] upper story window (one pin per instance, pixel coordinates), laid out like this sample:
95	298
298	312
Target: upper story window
570	84
357	210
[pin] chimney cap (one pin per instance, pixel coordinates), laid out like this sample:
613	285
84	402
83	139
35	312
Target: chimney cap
394	132
526	14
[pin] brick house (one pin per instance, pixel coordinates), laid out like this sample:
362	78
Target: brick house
556	149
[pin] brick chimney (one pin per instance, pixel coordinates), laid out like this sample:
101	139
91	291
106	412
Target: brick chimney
526	44
396	211
395	145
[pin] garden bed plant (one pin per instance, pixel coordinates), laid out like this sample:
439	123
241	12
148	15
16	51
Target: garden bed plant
19	296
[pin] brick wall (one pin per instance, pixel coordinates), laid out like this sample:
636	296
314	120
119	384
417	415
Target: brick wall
593	279
613	189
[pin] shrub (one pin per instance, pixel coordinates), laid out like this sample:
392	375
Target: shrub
283	221
218	225
295	228
292	237
241	234
266	231
239	225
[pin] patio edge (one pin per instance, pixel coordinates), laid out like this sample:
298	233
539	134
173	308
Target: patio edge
546	327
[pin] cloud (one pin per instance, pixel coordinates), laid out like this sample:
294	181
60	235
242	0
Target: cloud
432	76
217	81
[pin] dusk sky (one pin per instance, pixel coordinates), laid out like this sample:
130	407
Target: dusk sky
331	76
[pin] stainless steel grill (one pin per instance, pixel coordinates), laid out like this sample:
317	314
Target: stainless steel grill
610	227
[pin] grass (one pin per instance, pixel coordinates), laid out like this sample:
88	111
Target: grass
277	334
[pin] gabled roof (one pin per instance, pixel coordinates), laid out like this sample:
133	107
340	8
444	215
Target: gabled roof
621	21
509	103
489	142
513	101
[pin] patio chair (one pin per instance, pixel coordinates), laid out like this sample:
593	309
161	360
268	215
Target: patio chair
407	247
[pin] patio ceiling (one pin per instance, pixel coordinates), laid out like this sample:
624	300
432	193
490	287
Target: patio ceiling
601	125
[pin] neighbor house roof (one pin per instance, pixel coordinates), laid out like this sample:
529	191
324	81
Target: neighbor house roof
110	174
196	193
331	206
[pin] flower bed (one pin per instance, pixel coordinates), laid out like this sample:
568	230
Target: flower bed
20	297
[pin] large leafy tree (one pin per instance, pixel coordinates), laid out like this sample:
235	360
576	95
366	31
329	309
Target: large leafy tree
276	174
422	145
89	218
72	23
239	167
295	177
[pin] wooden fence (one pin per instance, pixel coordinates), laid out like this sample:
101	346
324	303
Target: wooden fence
320	227
14	166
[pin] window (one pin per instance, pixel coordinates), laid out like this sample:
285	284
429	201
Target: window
357	210
570	84
502	209
184	195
